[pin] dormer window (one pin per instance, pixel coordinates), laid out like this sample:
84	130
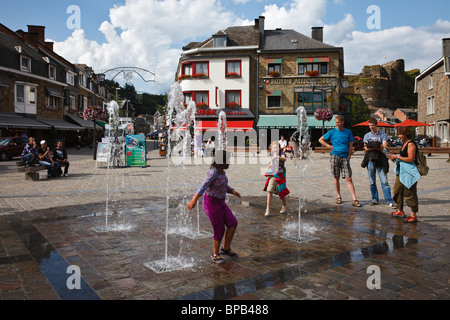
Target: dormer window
25	63
219	41
52	72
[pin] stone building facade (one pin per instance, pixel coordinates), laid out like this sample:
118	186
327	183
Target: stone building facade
433	88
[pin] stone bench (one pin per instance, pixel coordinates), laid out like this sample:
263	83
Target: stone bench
32	172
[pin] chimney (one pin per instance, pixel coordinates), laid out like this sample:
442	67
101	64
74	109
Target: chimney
49	45
261	32
317	33
446	47
39	30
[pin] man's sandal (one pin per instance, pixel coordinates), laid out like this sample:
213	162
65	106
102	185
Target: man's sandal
410	220
357	204
339	200
398	214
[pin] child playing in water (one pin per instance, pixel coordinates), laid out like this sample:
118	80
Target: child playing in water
276	181
215	187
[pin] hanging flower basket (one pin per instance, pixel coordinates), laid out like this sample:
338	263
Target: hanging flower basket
184	77
323	114
94	113
274	74
313	73
233	105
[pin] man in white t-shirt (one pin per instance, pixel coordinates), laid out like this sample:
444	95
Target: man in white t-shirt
376	140
283	144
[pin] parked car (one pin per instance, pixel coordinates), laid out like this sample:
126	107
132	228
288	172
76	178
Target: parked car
11	147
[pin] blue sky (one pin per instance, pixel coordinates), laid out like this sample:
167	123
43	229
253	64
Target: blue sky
150	33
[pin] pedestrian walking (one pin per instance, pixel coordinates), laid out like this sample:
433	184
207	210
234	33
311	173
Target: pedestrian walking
214	189
342	148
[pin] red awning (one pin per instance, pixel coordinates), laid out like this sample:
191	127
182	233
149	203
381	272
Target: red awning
231	125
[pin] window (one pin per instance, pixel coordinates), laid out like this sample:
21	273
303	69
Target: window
233	68
233	98
201	68
201	98
70	78
25	63
443	131
274	67
25	98
430	105
430	82
51	102
312	100
52	72
72	103
219	41
195	68
82	80
274	102
321	67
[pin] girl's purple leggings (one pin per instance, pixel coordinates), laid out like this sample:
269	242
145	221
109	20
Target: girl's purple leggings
219	214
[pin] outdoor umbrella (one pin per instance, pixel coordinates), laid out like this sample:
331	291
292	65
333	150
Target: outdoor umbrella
412	123
366	124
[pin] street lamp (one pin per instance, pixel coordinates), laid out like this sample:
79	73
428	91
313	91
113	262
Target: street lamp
89	74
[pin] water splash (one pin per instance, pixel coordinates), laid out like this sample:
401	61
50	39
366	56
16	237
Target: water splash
302	153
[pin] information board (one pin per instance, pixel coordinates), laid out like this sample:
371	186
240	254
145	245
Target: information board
135	150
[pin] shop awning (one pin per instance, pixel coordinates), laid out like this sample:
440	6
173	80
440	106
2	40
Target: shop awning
54	92
81	122
312	60
14	121
60	124
290	122
231	125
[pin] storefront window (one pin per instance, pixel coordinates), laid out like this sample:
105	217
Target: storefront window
319	98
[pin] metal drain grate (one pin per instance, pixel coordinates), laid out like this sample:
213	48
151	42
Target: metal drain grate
198	235
161	266
297	238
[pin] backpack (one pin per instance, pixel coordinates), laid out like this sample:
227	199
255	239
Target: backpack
421	162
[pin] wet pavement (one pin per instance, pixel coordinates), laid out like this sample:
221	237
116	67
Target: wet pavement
49	228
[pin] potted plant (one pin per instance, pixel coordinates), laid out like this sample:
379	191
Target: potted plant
313	73
201	105
183	77
274	74
199	75
233	105
232	75
324	115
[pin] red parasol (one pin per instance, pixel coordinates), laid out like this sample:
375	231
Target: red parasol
380	124
412	123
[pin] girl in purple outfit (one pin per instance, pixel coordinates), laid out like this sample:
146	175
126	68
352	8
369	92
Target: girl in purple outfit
215	187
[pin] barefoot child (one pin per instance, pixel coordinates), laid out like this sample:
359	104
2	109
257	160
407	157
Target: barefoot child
276	181
215	187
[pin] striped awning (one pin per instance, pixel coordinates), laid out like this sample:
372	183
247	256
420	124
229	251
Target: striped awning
272	61
312	60
275	92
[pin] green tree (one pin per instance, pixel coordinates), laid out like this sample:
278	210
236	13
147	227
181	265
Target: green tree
360	113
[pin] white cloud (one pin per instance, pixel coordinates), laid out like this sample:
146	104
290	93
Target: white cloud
150	33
